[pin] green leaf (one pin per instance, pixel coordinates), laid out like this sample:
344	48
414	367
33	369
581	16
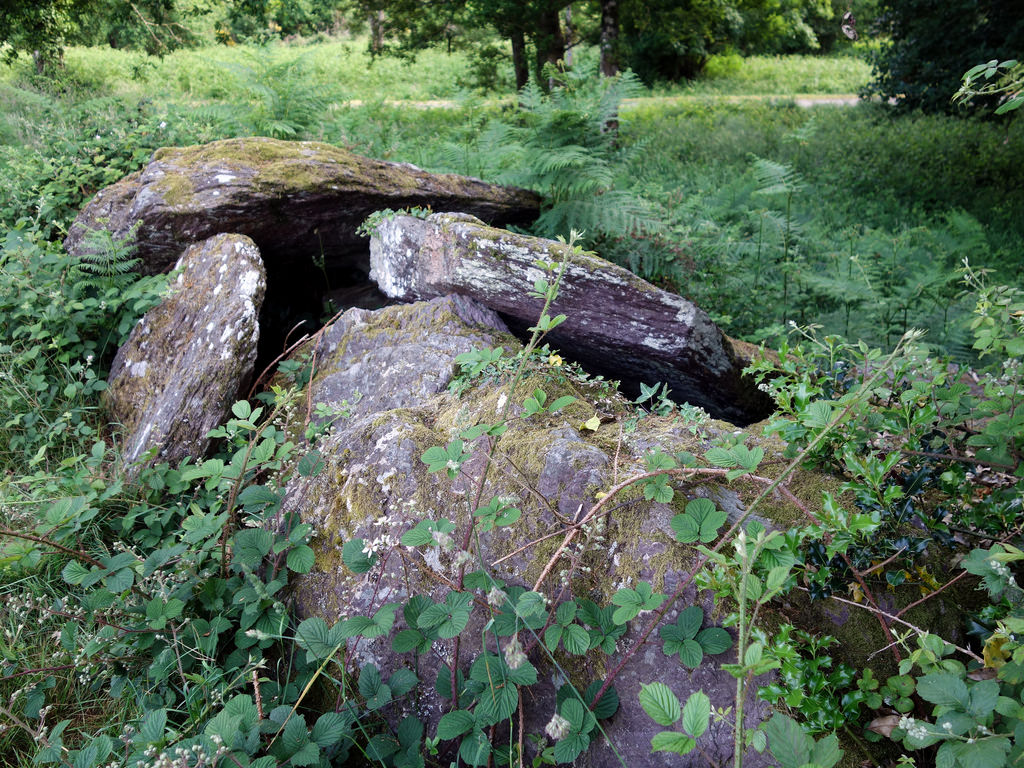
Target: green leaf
657	489
944	689
707	516
256	497
714	640
561	402
449	618
497	702
696	714
435	457
721	457
659	460
776	578
817	415
314	636
329	729
454	724
787	741
74	572
672	741
689	620
566	612
685	528
408	640
293	735
752	656
402	681
571	747
690	653
355	559
422	534
660	703
982	753
307	754
151	729
251	545
983	698
826	752
607	705
530	604
576	640
300	559
475	748
310	464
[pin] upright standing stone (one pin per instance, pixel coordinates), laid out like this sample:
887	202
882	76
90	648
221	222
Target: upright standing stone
186	361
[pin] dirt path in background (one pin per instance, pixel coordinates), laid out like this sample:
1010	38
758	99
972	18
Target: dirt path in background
805	100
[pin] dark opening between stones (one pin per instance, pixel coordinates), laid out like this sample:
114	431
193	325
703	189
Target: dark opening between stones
302	296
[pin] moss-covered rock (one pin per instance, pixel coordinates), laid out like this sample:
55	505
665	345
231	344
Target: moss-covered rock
374	486
188	358
296	200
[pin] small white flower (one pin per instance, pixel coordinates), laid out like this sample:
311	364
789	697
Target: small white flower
557	728
514	655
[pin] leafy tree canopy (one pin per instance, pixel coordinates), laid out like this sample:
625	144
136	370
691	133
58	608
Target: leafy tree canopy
933	44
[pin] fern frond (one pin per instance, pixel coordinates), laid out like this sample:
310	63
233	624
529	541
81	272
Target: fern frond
775	178
106	262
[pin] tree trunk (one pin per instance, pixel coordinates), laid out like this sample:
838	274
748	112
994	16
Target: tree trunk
609	37
567	15
376	31
549	41
519	63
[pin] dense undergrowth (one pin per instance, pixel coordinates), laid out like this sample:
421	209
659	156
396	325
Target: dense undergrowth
147	623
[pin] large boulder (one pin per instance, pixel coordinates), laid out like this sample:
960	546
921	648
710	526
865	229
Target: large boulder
296	200
188	358
375	487
618	324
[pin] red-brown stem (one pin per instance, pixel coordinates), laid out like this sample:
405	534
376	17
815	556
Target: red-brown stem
932	594
40	540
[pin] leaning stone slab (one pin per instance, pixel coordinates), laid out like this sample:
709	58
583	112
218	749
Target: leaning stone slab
296	200
617	324
187	359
